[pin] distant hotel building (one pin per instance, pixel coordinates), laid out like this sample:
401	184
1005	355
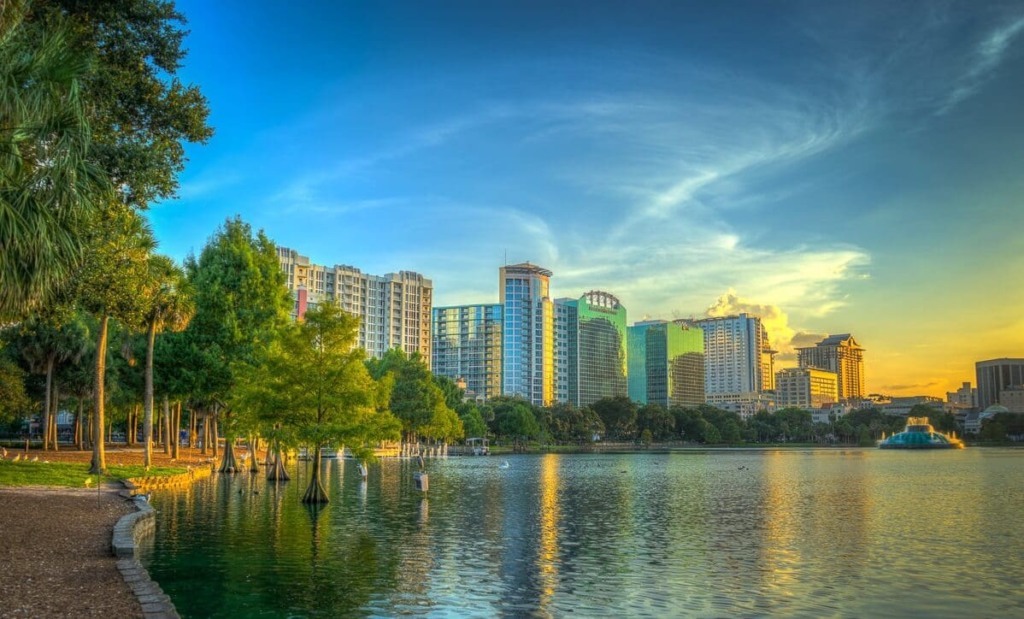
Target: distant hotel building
995	376
739	363
840	354
674	364
467	346
528	334
807	388
590	344
393	310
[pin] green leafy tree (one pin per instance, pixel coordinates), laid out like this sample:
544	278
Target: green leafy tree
112	283
49	188
417	400
14	402
473	423
659	423
241	306
316	384
170	307
140	112
618	415
514	420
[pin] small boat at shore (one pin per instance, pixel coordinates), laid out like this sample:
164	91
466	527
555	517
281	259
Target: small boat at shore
919	434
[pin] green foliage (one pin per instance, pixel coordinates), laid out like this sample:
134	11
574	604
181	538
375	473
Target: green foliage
618	414
658	422
49	189
565	423
241	304
313	387
14	403
417	399
139	111
514	419
473	423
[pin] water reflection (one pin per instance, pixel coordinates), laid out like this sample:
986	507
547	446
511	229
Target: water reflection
787	533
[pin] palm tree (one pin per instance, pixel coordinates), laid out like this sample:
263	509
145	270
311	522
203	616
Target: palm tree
45	345
171	308
48	188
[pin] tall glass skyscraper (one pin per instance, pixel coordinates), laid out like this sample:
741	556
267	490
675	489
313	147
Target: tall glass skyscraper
528	338
590	336
467	347
675	364
636	359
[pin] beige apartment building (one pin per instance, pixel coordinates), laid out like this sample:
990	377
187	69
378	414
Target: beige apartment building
840	354
394	309
807	388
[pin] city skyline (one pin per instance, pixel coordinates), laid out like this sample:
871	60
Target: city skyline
830	169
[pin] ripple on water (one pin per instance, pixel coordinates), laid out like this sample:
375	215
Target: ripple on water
812	534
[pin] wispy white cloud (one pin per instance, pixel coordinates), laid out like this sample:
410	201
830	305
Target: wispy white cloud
985	58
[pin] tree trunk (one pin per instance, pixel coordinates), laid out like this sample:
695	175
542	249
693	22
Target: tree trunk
167	426
206	434
53	415
215	442
275	464
175	432
47	402
98	465
78	424
254	447
315	493
193	428
147	419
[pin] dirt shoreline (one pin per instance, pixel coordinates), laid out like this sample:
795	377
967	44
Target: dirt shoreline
55	543
55	558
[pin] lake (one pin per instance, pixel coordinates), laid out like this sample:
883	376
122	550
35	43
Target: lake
721	533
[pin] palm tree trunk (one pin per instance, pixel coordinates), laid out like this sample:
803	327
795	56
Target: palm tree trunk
53	415
168	437
99	457
206	434
175	427
46	402
213	430
147	420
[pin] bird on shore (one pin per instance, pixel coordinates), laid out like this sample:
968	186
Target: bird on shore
35	458
3	450
16	458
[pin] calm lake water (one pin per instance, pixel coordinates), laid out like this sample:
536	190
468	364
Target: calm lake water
854	533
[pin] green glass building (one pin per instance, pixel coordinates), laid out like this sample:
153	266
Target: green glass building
674	357
636	359
592	346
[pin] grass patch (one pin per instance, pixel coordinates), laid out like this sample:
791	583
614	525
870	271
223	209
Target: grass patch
72	474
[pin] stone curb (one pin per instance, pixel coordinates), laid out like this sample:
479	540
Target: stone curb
130	528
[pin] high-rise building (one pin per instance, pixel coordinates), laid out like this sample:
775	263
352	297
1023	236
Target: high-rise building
805	388
674	364
528	339
567	358
467	347
995	375
590	337
840	354
738	362
393	309
636	359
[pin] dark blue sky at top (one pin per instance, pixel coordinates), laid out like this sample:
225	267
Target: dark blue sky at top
813	156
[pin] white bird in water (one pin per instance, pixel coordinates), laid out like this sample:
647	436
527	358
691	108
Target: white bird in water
504	464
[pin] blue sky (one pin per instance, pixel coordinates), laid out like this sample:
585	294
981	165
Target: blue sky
834	167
